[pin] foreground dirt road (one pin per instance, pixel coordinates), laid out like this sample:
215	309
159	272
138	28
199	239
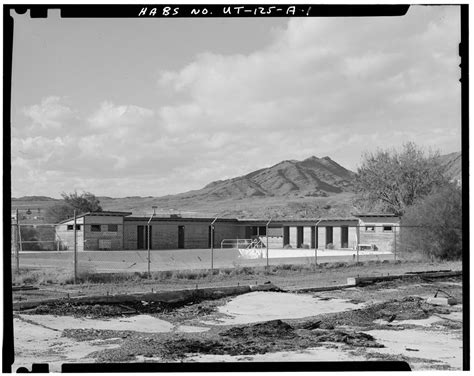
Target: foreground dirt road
385	321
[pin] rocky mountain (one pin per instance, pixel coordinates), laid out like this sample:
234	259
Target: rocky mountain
318	177
452	163
310	188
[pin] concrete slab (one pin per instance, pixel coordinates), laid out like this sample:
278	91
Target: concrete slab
34	343
441	301
440	346
264	306
139	323
319	354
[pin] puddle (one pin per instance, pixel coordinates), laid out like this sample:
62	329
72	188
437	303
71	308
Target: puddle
34	343
422	322
319	354
265	306
438	346
456	316
139	323
191	329
451	283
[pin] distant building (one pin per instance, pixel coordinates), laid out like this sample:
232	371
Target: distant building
112	230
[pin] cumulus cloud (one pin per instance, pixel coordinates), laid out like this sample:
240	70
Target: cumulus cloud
50	115
121	116
321	73
323	86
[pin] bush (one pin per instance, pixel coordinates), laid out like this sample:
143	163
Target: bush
305	246
330	246
287	246
434	225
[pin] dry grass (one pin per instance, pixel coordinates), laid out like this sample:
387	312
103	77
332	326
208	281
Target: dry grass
89	276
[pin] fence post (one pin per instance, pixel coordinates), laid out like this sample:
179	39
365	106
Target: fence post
148	248
212	246
266	233
395	242
75	249
315	245
212	250
357	241
16	239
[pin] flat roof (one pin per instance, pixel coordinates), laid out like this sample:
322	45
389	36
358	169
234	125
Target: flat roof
248	221
375	215
179	219
99	214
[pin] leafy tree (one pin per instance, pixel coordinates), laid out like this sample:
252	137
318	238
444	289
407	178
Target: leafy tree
30	235
82	203
437	225
58	213
394	180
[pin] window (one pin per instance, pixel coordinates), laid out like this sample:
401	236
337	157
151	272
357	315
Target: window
370	228
71	227
387	228
112	228
95	228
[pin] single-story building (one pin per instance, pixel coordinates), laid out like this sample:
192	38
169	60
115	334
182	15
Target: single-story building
113	230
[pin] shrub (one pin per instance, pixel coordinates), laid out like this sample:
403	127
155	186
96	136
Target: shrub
434	225
330	246
305	246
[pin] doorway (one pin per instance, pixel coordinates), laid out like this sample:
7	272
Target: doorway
344	237
143	237
329	235
180	237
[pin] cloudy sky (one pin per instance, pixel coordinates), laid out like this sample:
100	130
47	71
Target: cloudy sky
161	106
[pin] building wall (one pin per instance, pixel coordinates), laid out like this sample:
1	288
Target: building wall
336	237
352	237
65	237
321	237
164	234
93	238
384	240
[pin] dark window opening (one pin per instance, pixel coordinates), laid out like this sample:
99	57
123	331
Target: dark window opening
112	228
370	228
71	227
387	228
95	228
329	235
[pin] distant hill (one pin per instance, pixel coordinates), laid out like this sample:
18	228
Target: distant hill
452	163
312	177
292	189
34	198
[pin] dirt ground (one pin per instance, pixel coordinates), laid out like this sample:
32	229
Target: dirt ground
288	277
386	321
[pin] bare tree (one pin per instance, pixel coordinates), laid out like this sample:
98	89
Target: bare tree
393	180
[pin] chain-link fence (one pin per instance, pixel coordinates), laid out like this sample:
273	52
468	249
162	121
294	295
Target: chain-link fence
38	247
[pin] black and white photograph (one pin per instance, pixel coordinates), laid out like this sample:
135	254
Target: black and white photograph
269	186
